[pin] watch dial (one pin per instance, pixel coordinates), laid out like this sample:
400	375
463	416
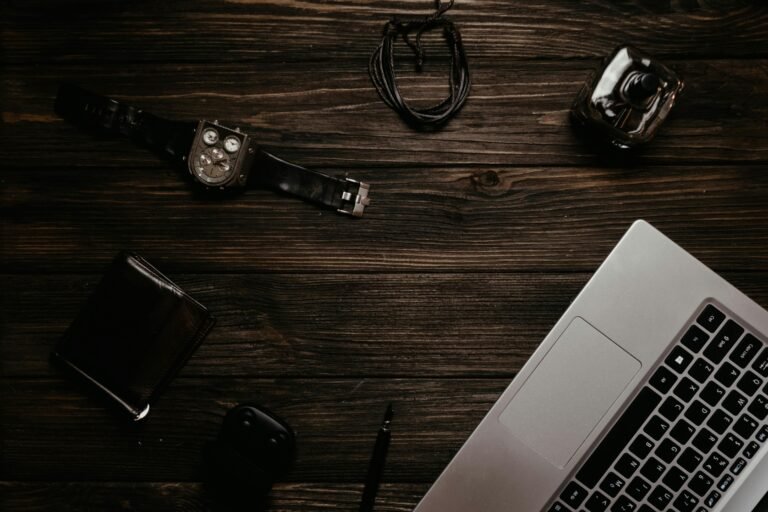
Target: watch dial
213	166
217	158
232	144
210	136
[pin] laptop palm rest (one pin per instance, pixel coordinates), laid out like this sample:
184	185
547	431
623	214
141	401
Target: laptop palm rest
569	392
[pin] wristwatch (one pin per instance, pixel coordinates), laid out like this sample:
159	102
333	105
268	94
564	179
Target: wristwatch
217	157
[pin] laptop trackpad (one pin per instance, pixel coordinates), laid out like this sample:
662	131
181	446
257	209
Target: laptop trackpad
569	392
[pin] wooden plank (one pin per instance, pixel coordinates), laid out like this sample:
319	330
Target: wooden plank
319	325
191	497
52	431
275	30
278	326
487	219
330	115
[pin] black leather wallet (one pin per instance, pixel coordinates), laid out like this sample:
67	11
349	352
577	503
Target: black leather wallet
134	334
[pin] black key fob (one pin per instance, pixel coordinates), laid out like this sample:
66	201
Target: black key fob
254	449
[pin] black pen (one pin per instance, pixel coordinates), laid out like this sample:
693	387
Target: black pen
376	467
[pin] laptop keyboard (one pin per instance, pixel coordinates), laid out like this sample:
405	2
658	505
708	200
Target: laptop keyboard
690	431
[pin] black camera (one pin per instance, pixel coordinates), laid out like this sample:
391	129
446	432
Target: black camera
626	101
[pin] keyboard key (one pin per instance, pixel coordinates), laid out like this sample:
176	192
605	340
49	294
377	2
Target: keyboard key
730	445
686	389
725	483
612	485
646	508
641	446
671	408
734	402
749	383
694	339
627	465
704	440
762	435
719	421
597	502
751	449
663	379
697	412
573	495
638	488
712	393
746	350
679	359
621	433
652	469
759	407
559	507
682	431
745	426
667	451
738	466
623	504
715	464
686	502
660	498
712	499
710	318
674	479
690	459
727	374
656	428
723	341
761	363
701	370
701	483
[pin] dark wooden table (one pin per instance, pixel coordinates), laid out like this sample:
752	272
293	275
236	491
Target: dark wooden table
477	238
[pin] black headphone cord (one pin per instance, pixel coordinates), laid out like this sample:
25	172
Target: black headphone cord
381	67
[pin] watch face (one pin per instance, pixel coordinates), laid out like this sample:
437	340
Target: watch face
210	136
232	144
212	165
216	157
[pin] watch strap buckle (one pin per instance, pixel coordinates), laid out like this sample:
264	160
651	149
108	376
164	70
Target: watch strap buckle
354	198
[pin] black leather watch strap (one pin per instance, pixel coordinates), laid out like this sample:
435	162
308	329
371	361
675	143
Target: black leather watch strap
345	195
105	115
175	139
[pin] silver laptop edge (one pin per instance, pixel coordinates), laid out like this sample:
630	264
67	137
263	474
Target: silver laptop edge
585	373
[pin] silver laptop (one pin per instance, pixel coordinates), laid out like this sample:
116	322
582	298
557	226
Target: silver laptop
650	394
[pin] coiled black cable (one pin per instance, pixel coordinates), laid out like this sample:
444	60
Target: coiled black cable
381	67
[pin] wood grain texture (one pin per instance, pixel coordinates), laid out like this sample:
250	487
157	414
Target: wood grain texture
335	419
195	497
478	237
321	325
331	116
302	325
274	30
487	219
